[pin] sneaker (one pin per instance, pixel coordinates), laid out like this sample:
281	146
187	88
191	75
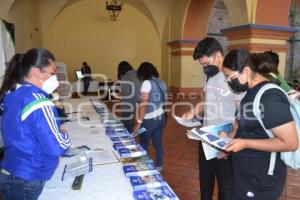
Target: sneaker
160	168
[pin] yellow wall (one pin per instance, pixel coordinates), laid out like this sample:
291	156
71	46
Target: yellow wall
84	32
177	18
25	16
191	73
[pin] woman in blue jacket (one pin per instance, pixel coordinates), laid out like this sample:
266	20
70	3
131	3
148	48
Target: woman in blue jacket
33	140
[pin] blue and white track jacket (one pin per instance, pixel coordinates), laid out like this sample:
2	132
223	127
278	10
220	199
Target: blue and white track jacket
31	133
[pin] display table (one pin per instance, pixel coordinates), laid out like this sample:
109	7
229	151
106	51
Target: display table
105	182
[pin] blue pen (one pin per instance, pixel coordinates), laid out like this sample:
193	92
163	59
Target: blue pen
62	177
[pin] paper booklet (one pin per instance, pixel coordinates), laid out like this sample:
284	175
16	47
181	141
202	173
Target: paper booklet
158	193
211	142
133	152
140	169
125	144
102	156
136	160
147	182
190	123
117	139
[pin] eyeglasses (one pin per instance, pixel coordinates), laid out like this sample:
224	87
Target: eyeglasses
231	77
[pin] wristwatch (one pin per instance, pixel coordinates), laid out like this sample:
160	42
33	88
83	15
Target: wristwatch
139	121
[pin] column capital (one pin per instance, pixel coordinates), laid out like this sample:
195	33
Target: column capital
182	47
259	37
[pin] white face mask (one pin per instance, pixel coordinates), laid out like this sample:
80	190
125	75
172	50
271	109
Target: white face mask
50	84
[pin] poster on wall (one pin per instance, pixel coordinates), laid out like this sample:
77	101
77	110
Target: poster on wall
64	89
7	45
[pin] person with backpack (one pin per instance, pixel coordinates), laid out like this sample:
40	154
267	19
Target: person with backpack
252	147
151	113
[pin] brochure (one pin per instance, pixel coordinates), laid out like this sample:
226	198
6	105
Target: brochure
158	193
211	142
188	122
140	169
125	144
133	152
117	139
136	160
147	182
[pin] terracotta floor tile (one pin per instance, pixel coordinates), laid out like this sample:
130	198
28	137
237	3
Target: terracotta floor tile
177	170
184	194
172	179
190	184
193	173
187	162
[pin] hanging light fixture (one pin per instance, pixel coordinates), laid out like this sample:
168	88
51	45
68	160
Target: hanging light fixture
114	8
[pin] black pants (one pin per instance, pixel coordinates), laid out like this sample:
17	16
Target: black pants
209	169
251	181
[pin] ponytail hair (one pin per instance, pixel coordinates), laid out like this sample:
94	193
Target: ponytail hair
261	63
146	71
238	59
20	66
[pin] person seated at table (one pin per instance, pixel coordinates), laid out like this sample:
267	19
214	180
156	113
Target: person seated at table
151	114
129	95
33	140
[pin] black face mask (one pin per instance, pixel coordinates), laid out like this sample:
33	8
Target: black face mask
237	87
210	70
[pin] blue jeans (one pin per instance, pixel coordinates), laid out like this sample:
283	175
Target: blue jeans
14	188
86	84
154	132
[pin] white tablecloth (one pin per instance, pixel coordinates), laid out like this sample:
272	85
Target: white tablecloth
105	182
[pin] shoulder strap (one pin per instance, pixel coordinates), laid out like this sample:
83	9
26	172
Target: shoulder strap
163	95
257	114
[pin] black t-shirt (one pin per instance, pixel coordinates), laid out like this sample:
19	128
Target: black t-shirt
275	110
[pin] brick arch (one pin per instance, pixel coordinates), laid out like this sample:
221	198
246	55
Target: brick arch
196	21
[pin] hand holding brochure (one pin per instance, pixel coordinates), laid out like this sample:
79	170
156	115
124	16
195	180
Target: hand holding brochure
209	138
187	122
211	142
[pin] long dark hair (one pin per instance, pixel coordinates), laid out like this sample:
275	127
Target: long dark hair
146	71
238	59
20	66
123	67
